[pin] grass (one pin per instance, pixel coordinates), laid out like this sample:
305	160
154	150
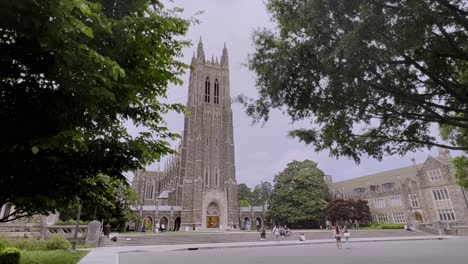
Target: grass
81	246
51	251
52	257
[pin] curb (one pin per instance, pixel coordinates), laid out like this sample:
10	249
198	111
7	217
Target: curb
325	241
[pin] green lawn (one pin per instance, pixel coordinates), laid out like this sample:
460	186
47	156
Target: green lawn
52	257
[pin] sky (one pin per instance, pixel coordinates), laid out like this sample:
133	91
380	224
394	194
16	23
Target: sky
261	151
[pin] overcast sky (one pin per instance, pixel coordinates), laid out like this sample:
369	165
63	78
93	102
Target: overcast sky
261	152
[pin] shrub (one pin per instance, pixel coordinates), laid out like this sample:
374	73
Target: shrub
57	242
392	226
70	222
3	244
10	256
28	244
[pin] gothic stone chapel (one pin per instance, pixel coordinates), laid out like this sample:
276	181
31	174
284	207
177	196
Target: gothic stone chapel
198	188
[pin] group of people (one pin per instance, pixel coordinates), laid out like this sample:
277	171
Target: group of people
159	228
282	231
338	233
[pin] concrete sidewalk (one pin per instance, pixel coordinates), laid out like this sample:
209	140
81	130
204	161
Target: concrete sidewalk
110	255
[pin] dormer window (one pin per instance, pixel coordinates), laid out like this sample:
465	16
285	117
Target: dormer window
374	188
359	190
207	90
388	186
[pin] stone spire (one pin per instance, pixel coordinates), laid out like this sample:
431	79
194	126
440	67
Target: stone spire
200	52
194	59
225	57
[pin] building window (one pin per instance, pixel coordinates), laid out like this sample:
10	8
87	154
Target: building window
360	190
446	214
413	200
434	175
388	186
379	203
207	177
216	179
440	194
7	210
399	218
382	218
443	205
216	92
395	200
207	90
149	191
374	188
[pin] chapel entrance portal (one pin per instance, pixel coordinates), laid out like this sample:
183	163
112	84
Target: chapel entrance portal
212	215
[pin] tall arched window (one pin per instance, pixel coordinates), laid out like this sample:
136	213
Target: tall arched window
207	177
216	179
207	90
216	92
149	191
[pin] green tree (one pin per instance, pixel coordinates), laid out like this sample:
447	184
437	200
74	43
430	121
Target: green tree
261	193
348	211
372	76
113	207
244	195
72	74
299	194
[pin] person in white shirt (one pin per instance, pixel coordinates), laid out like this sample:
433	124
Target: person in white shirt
347	235
276	232
302	237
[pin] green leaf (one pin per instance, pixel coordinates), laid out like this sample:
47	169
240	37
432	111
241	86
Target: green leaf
35	150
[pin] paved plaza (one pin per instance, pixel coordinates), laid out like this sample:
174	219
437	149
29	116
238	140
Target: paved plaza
262	249
451	251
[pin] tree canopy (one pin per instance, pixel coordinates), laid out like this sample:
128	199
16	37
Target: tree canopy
261	193
299	194
73	73
373	77
244	195
348	210
113	210
256	197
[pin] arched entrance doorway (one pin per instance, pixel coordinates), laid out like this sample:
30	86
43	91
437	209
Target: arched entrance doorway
212	215
163	224
148	223
258	223
418	217
177	224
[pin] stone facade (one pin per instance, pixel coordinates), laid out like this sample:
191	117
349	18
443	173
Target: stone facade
198	188
424	193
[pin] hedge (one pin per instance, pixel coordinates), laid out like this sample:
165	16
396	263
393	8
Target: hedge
392	226
10	256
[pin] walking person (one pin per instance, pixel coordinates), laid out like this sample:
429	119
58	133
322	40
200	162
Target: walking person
262	234
346	235
337	234
276	232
